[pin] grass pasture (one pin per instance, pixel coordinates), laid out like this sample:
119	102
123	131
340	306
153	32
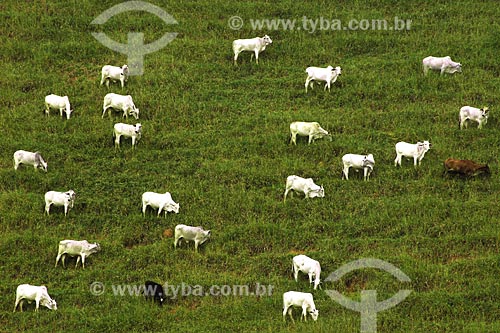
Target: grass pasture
216	136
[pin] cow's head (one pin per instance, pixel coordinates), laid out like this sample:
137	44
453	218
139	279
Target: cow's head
338	70
485	169
458	67
135	113
71	194
319	192
314	314
423	146
369	160
138	128
267	40
49	303
174	208
41	164
205	235
485	111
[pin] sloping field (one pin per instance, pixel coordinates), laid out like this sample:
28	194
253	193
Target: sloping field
216	136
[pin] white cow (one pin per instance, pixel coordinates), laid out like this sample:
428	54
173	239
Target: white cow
304	185
311	267
474	114
311	129
162	201
120	102
114	73
442	64
303	300
30	293
26	157
60	103
257	45
129	131
80	249
358	162
328	75
55	198
417	151
188	233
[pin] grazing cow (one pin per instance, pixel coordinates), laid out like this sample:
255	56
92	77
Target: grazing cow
188	233
474	114
311	129
30	293
257	45
466	168
129	131
66	199
442	64
114	73
80	249
328	75
357	162
59	103
311	267
304	185
303	300
162	201
417	151
120	102
26	157
154	291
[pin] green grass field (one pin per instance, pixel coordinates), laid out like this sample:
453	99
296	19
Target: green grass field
216	136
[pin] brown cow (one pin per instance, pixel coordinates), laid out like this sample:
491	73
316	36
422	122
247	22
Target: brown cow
466	168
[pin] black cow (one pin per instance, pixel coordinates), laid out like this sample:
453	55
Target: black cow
154	291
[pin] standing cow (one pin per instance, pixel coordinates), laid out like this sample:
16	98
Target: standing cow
60	103
30	293
162	201
304	185
312	130
442	64
256	45
114	73
409	150
189	233
66	199
465	168
128	131
122	103
154	291
302	300
311	267
29	158
73	248
358	162
473	114
328	75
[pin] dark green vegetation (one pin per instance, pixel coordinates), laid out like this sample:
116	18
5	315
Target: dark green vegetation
216	137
